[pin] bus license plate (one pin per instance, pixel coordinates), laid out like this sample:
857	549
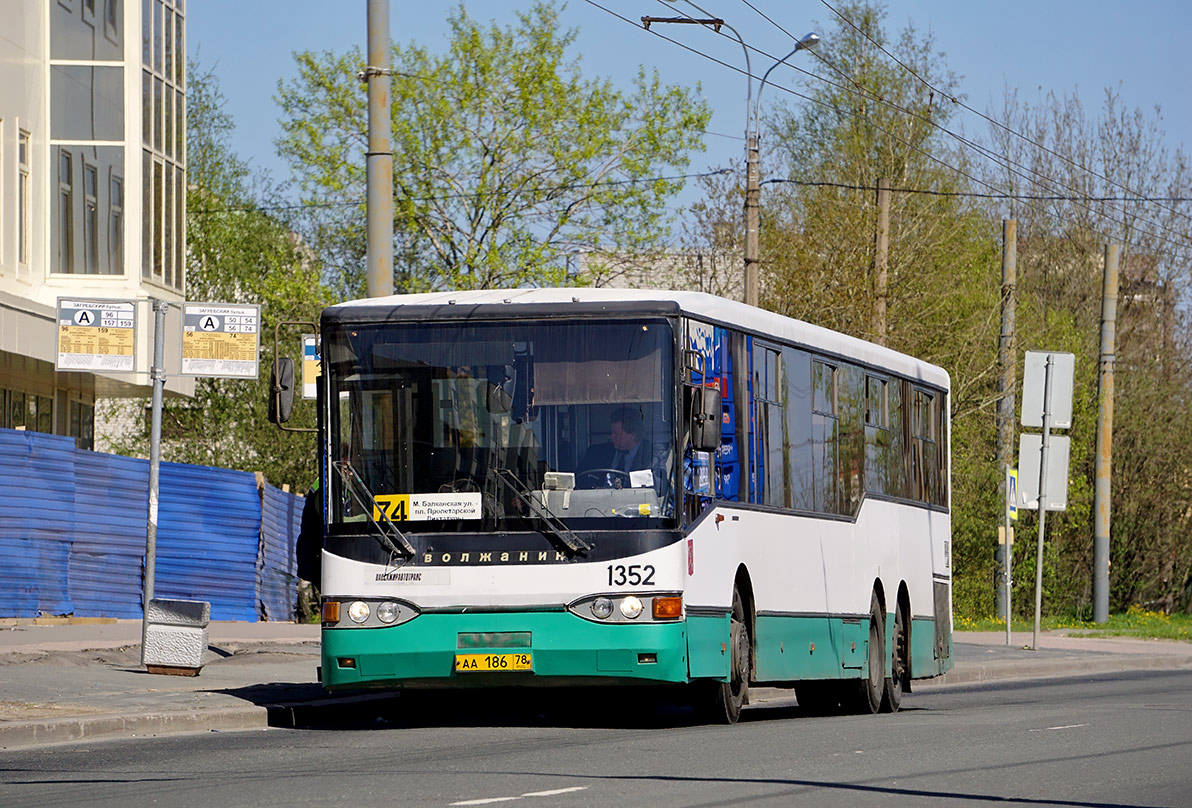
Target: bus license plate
481	663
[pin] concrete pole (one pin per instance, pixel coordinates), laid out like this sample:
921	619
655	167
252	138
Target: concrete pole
380	153
752	195
1007	362
1102	490
882	261
157	375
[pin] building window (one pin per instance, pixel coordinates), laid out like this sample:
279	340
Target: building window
24	155
82	424
90	219
116	225
16	410
65	212
163	102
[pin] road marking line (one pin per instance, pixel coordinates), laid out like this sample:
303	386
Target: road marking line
1065	726
555	791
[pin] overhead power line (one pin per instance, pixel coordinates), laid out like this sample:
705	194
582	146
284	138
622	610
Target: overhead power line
462	195
974	195
996	123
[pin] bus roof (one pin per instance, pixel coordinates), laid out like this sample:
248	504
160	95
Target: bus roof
546	302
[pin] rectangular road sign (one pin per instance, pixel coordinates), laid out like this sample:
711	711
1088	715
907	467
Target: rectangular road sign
1063	366
96	335
1012	494
221	339
1030	449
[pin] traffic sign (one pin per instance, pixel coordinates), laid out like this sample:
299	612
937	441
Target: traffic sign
221	339
1034	377
1012	494
1030	449
96	335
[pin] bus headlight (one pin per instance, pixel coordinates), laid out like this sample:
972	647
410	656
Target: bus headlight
631	607
388	611
602	608
358	611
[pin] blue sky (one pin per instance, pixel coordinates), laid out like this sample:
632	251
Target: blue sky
1139	46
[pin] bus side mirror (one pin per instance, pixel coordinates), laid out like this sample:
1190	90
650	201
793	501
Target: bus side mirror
705	418
281	390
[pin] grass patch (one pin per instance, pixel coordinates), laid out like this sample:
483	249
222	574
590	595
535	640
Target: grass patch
1134	622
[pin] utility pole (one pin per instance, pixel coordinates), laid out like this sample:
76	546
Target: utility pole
752	195
379	159
1102	488
882	260
1007	379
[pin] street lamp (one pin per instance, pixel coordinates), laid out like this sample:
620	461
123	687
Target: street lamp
752	137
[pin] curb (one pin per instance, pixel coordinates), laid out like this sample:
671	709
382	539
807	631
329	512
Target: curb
326	712
1053	669
23	734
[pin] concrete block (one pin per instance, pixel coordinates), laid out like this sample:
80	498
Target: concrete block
176	636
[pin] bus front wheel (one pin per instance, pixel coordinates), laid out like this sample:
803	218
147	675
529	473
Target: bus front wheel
727	698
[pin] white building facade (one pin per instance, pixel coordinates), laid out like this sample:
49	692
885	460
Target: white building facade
92	192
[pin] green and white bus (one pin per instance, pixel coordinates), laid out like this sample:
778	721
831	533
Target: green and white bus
606	487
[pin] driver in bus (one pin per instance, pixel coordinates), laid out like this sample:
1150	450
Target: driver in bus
624	452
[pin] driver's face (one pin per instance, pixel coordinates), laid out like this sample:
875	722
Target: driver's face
622	441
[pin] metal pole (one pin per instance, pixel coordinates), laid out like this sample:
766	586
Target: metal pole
380	153
1102	490
157	374
882	260
1047	370
1007	373
752	193
1007	557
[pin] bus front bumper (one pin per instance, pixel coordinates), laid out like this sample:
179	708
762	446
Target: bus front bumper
563	649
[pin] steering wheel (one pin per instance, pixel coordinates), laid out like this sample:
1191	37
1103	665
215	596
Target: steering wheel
620	478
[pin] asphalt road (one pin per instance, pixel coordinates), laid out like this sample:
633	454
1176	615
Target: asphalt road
1107	741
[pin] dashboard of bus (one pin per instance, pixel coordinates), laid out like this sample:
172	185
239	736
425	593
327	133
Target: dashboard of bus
502	426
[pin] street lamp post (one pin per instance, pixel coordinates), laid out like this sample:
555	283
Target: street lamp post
752	138
752	174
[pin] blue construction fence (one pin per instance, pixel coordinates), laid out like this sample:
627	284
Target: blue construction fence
73	527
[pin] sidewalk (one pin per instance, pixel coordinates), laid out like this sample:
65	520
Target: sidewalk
83	680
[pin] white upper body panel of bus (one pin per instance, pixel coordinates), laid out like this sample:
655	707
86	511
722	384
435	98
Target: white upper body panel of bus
703	306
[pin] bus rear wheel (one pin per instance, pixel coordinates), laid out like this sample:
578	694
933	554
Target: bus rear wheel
899	663
871	688
728	697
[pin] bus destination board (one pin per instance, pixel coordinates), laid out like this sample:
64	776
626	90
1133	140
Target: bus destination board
221	339
96	335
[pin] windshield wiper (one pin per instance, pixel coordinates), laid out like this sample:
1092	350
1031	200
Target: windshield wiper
554	525
387	532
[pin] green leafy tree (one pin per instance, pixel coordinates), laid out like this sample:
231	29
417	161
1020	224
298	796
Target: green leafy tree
507	161
236	252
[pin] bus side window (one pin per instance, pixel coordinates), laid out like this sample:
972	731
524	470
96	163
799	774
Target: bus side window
824	436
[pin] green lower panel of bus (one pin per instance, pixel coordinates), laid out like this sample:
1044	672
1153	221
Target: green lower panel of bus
789	648
506	648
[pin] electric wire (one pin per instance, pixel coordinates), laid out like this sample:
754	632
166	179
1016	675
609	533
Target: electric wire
833	107
992	121
1014	167
461	195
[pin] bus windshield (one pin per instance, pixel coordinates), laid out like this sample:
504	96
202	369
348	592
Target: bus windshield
498	426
